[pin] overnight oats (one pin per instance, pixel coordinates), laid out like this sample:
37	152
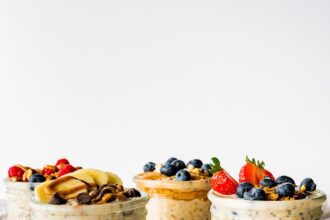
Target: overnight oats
88	194
176	190
21	182
259	196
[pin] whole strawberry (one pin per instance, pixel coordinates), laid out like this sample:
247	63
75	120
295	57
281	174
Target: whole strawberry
66	169
15	173
221	181
253	172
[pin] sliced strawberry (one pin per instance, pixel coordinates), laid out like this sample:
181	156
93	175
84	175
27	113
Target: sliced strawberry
66	169
221	180
253	171
61	162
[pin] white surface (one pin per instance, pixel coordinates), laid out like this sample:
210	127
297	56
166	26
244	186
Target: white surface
113	84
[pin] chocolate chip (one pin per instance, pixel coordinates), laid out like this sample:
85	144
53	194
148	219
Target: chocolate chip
57	199
84	198
133	193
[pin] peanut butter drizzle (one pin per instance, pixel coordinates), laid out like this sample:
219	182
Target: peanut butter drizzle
176	194
172	193
54	183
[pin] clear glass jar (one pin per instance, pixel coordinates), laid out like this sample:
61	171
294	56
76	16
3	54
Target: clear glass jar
129	210
171	199
18	197
230	207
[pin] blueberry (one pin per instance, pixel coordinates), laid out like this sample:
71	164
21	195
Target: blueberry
242	188
183	175
170	160
284	179
179	164
285	190
168	170
267	182
149	167
36	178
206	169
307	185
255	194
195	163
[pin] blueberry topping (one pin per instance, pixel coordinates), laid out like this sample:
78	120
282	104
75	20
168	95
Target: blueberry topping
285	179
36	178
149	167
308	185
168	169
242	188
179	164
170	160
285	190
268	182
195	163
206	169
255	194
183	175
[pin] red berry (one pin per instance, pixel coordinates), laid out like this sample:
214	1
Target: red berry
61	162
221	180
66	169
48	171
15	173
253	172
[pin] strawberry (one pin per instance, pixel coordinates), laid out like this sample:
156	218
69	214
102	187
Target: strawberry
253	172
61	162
221	181
15	173
48	171
66	169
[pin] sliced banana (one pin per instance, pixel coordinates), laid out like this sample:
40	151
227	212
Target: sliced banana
99	176
114	178
84	176
66	187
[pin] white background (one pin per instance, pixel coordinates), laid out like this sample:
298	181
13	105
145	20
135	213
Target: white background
114	84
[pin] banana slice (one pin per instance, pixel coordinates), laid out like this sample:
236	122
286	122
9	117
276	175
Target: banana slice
98	176
114	178
84	176
65	186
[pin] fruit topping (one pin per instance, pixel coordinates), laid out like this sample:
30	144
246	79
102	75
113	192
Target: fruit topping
149	167
285	190
255	194
68	168
179	164
195	163
221	181
183	175
170	160
206	169
73	189
49	172
242	188
61	162
285	179
36	178
307	185
253	172
15	173
168	169
267	182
